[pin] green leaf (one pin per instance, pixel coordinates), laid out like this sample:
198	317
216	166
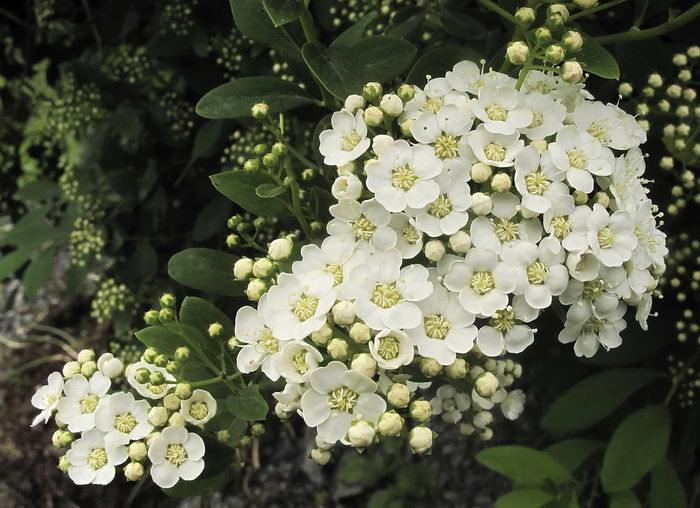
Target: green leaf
269	190
462	25
38	271
248	404
437	61
524	498
406	20
207	138
13	261
38	190
283	11
636	446
572	453
355	32
75	277
527	467
200	314
594	398
164	338
126	122
344	70
597	60
239	186
625	499
206	270
234	99
199	486
666	488
212	218
253	22
145	261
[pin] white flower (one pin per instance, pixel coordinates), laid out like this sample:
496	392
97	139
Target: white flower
289	399
123	418
497	150
297	361
605	123
465	77
566	223
337	397
77	408
513	404
625	185
199	408
409	240
366	223
176	454
403	176
391	349
430	99
547	116
148	390
588	331
450	404
598	293
109	365
445	131
445	328
297	306
384	292
651	247
611	238
504	331
347	187
540	187
346	141
46	398
448	213
336	255
501	109
261	345
92	458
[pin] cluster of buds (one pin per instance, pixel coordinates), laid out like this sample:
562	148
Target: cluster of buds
261	273
111	298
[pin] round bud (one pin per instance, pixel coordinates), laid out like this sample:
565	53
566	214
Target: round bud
172	402
554	53
480	172
270	160
158	416
215	330
260	149
160	361
390	423
406	92
138	450
260	111
430	367
142	375
434	250
365	364
151	317
398	395
173	367
543	35
572	40
517	52
62	438
243	269
223	436
501	182
167	300
482	203
251	166
232	343
263	267
280	249
457	369
279	149
110	366
182	353
460	242
373	116
486	384
571	72
391	104
63	464
321	336
177	420
580	197
420	439
257	430
361	434
354	102
133	471
183	391
156	378
360	333
372	92
320	457
86	355
87	369
149	355
166	316
344	312
482	419
525	16
337	348
585	4
421	410
406	126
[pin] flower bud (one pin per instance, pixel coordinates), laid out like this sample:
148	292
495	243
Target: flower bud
572	41
152	437
182	354
390	423
321	336
158	416
373	116
360	333
457	369
62	438
260	111
372	92
466	429
223	436
71	369
585	4
354	102
279	149
234	221
430	367
149	355
555	21
172	402
86	355
256	288
160	361
257	430
263	267
559	9
183	391
167	300
156	378
421	410
482	419
348	187
420	439
480	172
337	348
580	197
63	464
602	198
361	434
270	160
151	317
406	126
177	420
543	35
460	242
398	395
133	471
406	92
138	451
485	434
391	104
166	316
88	369
481	203
365	364
381	142
280	249
539	144
320	457
571	72
232	241
344	312
110	366
525	16
215	330
323	445
501	182
486	384
251	166
434	250
142	375
517	52
554	53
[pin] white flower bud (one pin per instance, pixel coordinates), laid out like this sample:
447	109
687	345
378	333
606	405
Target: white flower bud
680	60
457	369
373	116
243	269
138	451
406	126
322	335
434	250
572	41
475	371
87	369
177	420
344	312
571	72
262	268
365	364
280	412
480	172
338	348
256	288
689	94
354	102
664	163
347	169
398	395
110	366
466	429
260	110
381	142
280	249
372	91
482	419
501	182
693	51
391	104
460	242
158	416
539	144
86	355
320	457
655	80
133	471
421	410
673	91
554	53
580	197
486	434
513	405
559	9
420	439
390	423
347	187
486	384
172	402
585	4
517	52
525	16
602	198
430	367
71	369
360	333
152	437
361	434
481	203
323	445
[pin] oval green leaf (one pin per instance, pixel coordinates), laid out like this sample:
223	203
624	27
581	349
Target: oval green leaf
240	187
527	467
283	11
207	270
269	190
248	404
524	498
666	488
200	314
597	60
636	447
571	453
38	271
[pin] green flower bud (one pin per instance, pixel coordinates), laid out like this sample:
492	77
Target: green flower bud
270	160
63	464
234	221
160	361
307	174
257	430
558	9
406	92
156	378
554	53
421	410
580	197
62	438
259	222
260	111
215	330
543	35
279	149
88	369
430	367
263	267
585	4
525	16
167	300
233	241
572	41
166	316
173	367
372	92
182	353
151	317
142	375
260	149
183	391
223	436
457	369
149	356
232	343
373	116
251	166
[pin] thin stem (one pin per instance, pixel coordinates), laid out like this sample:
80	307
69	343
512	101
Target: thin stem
205	359
296	202
498	10
597	8
649	33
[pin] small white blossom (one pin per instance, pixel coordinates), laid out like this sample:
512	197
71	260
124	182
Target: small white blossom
176	454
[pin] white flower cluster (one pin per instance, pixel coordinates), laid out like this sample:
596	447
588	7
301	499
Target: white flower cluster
463	211
105	429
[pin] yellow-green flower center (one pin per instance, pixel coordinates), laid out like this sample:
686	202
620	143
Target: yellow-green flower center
176	454
606	237
593	325
388	347
125	422
410	234
343	399
199	410
577	159
449	404
537	120
542	87
593	289
336	271
88	404
537	273
305	307
561	226
482	282
597	130
350	141
97	458
446	146
495	152
156	389
497	113
441	207
537	183
503	320
432	105
404	177
363	228
436	326
385	295
506	231
299	361
269	342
